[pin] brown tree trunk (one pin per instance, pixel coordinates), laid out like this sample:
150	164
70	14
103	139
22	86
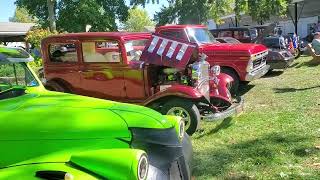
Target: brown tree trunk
51	15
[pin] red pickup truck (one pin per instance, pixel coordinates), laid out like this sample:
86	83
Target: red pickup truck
243	62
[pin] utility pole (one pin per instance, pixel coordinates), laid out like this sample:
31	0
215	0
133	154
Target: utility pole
296	17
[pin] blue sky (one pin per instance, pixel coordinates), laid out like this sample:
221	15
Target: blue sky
7	8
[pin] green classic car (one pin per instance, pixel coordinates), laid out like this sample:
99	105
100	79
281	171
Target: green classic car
51	135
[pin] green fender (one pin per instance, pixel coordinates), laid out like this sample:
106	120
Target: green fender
111	163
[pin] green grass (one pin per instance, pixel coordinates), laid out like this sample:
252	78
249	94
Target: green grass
277	136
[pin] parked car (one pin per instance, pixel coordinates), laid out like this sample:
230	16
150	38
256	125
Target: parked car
52	135
279	57
243	34
108	66
228	40
243	62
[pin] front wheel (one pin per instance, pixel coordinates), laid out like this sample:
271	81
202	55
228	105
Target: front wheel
296	53
187	110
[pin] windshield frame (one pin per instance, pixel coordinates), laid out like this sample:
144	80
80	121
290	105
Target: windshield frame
27	73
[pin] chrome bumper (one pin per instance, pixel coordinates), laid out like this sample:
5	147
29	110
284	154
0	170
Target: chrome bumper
257	73
234	109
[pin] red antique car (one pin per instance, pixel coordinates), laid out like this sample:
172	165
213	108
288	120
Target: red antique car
129	67
243	62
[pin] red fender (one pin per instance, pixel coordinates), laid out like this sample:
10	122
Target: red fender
175	90
222	90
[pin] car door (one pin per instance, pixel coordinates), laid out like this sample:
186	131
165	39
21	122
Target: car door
101	70
62	62
136	84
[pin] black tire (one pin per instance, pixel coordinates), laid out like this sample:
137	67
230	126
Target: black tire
188	107
297	53
54	86
236	81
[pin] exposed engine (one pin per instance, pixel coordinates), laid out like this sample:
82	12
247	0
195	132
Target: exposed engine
174	76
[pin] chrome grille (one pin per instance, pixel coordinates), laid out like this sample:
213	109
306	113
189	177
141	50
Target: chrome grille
259	61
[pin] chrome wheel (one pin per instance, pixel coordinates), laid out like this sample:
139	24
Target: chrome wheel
181	112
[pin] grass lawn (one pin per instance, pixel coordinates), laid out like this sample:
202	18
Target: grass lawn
277	136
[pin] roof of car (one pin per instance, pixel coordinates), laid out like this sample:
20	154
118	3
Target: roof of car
14	55
231	28
123	35
181	26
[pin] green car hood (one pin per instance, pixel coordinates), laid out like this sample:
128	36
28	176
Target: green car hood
73	116
45	126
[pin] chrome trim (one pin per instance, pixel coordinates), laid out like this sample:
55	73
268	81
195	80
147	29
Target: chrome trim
257	73
235	109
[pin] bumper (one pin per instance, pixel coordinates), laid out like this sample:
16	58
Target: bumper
280	64
179	168
235	109
257	73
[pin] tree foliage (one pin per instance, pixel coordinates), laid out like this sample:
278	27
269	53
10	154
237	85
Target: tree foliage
261	10
22	15
193	11
35	35
143	2
73	16
137	20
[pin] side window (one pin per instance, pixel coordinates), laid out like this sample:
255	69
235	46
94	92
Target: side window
225	34
63	52
240	34
101	51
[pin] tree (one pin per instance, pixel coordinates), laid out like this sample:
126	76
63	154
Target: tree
137	20
261	10
39	9
73	16
143	2
22	15
192	11
100	14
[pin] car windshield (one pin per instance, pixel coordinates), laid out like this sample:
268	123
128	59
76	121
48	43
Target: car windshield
200	36
134	48
15	75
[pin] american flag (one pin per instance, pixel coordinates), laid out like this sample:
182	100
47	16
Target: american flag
166	51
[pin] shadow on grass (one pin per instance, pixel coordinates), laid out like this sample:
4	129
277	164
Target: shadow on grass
223	125
294	65
244	88
311	63
285	90
272	73
253	154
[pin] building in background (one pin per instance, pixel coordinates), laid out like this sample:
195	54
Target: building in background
308	11
12	33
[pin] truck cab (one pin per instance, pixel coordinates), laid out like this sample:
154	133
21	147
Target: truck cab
243	62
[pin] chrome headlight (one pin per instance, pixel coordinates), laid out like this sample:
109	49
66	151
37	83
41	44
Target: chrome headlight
68	176
215	70
178	124
181	130
143	167
250	65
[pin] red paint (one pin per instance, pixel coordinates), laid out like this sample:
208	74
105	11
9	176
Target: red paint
235	56
123	81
